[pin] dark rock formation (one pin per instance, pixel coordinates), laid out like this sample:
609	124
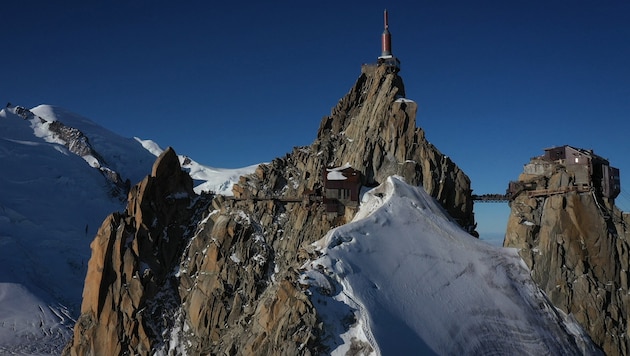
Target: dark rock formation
79	144
173	273
576	244
75	140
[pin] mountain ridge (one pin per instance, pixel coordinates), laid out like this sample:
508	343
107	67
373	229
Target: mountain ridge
186	270
238	285
52	201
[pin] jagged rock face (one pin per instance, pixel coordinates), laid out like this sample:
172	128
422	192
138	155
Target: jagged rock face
373	128
576	245
79	144
248	302
167	270
238	289
75	140
130	286
235	289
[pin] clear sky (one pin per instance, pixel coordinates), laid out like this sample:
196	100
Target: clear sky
233	85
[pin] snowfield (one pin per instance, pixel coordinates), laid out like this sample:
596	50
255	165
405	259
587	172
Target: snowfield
52	202
207	179
51	205
403	278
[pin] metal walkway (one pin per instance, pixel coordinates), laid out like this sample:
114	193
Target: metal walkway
491	198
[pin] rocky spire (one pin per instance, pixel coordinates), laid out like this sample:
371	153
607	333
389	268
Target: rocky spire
129	287
374	129
577	247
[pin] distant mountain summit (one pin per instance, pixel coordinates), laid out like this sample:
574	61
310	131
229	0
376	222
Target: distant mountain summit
96	145
61	175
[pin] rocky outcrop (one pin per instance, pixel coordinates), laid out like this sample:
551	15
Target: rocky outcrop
180	273
78	143
238	282
241	292
373	128
130	290
576	244
75	140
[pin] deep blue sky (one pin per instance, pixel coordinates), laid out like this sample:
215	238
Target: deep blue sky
233	85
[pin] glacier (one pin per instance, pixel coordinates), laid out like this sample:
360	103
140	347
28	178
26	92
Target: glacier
52	201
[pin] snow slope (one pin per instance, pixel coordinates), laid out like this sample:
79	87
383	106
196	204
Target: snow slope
405	279
208	179
121	154
52	202
51	205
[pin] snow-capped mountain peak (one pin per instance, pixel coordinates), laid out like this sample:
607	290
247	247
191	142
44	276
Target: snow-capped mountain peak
62	174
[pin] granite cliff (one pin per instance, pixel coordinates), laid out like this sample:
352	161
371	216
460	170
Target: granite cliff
576	243
129	289
219	275
373	129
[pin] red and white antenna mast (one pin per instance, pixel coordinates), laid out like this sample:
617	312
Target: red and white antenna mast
386	38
